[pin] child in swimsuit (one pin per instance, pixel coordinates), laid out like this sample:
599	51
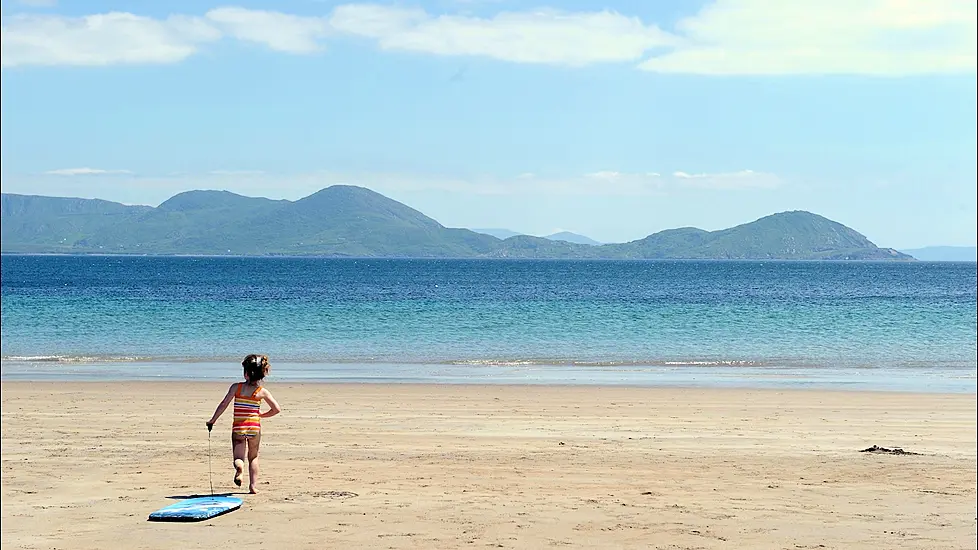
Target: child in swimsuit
246	429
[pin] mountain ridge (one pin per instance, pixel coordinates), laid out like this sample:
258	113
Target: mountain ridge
571	237
346	220
567	236
498	232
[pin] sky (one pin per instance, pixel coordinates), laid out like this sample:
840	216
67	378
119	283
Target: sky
613	119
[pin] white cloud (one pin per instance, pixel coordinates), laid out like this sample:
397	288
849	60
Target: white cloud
124	38
611	175
279	31
727	37
236	172
85	172
626	184
606	175
541	36
605	182
743	179
293	186
106	39
866	37
513	196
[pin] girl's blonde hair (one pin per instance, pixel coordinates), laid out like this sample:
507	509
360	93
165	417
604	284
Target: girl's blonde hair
255	367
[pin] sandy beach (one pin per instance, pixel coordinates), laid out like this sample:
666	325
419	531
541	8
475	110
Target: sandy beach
440	466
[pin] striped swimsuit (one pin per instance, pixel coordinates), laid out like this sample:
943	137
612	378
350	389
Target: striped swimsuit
247	423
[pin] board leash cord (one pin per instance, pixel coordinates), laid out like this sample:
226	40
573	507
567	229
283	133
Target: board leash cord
210	471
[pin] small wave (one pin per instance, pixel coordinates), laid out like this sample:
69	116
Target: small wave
486	362
719	363
71	359
593	363
493	363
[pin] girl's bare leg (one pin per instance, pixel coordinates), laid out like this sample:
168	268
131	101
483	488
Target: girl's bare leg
239	449
253	443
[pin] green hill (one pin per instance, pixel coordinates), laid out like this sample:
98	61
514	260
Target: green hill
31	223
788	235
345	220
195	222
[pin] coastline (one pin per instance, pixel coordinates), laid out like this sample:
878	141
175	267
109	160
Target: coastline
475	258
738	374
453	466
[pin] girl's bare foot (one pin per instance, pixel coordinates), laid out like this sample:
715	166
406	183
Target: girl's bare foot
253	490
238	471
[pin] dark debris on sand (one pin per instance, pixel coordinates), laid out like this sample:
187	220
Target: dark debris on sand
876	449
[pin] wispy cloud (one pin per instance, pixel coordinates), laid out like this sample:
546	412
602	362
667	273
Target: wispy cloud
612	175
726	37
600	183
278	31
866	37
730	37
236	172
539	36
522	184
106	39
743	179
85	172
119	38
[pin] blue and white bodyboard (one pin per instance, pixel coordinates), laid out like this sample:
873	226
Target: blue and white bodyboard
196	509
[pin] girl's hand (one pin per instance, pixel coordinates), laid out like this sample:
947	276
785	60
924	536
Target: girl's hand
210	426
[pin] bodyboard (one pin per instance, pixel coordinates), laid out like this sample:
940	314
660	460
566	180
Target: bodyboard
196	509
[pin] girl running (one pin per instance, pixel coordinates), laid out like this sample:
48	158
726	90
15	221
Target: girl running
246	429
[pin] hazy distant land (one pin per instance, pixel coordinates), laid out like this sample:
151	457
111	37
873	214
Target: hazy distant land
565	236
944	253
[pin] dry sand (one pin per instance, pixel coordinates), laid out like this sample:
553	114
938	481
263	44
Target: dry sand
425	466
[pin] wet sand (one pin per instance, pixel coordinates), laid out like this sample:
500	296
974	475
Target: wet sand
443	466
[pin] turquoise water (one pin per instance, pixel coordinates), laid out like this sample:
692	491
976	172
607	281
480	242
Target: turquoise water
866	325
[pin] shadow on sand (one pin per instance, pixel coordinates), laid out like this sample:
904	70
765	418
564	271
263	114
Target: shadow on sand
185	497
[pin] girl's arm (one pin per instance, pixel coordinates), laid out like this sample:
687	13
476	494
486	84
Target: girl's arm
224	405
272	404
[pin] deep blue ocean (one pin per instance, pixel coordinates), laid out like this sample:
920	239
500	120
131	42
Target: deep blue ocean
909	326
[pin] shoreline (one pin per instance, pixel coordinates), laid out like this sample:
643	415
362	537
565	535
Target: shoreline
931	380
411	386
910	259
